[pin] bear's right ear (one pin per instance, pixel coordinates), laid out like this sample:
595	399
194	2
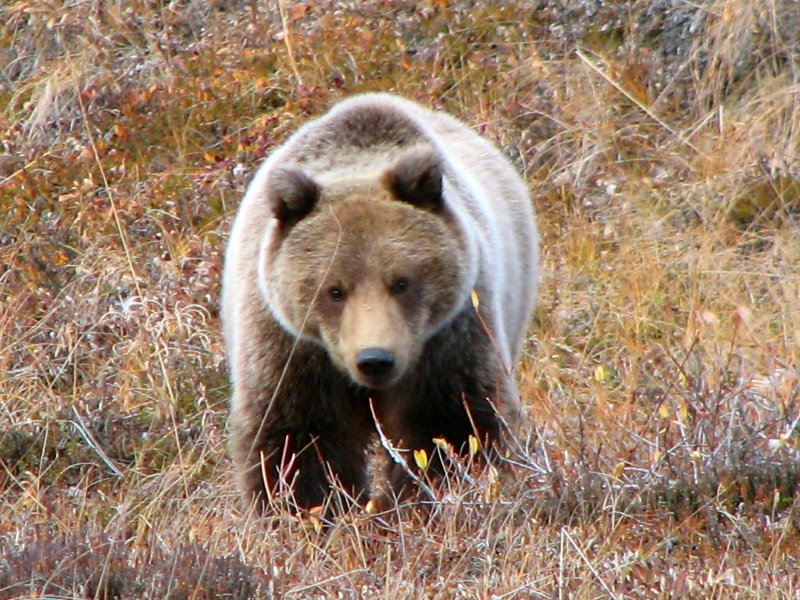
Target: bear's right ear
416	178
291	194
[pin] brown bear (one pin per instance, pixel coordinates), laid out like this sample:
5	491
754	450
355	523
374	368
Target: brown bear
351	279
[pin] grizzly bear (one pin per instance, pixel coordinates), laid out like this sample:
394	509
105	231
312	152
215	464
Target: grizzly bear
380	276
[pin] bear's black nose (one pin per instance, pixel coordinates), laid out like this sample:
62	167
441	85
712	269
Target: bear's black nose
375	363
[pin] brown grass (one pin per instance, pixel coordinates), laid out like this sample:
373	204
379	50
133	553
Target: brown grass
662	143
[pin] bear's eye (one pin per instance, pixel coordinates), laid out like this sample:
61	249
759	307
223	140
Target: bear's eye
336	293
400	285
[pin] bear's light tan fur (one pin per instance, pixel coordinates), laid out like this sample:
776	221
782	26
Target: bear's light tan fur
348	277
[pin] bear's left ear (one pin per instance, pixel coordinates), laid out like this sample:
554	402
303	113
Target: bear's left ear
416	178
291	194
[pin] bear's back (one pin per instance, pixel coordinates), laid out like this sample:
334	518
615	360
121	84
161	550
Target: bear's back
363	133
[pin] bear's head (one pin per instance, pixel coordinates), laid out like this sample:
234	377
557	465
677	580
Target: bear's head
369	265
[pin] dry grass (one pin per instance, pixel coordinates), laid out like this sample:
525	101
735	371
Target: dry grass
662	143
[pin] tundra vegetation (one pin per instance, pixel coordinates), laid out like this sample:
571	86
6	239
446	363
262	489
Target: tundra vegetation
661	142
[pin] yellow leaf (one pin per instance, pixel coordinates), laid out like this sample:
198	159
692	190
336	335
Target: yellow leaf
664	412
492	491
60	258
421	458
683	411
619	469
474	445
444	446
600	373
475	300
315	521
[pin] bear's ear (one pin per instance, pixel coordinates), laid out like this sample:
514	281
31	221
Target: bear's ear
416	178
291	194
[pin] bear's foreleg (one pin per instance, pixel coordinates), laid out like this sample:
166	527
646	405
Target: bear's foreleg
451	395
299	444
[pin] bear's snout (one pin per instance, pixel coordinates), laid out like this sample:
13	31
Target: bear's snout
375	364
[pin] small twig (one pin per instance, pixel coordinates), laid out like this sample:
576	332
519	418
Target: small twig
446	450
17	172
297	340
89	439
476	302
287	39
123	236
641	106
397	458
585	559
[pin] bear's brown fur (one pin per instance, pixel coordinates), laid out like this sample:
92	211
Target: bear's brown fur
348	278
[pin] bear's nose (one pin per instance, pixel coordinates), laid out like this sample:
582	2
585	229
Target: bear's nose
375	363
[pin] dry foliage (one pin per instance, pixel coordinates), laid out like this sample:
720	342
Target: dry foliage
662	143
